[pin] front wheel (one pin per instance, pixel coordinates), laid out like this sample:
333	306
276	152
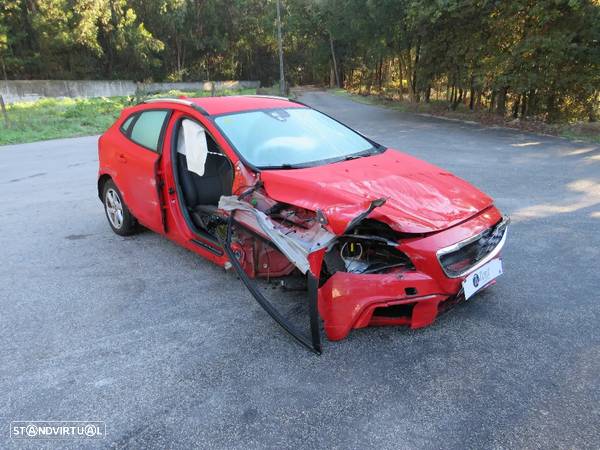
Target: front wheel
119	218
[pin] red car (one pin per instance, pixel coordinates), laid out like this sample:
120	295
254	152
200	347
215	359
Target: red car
274	189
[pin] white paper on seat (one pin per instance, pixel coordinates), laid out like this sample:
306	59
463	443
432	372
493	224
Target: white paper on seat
192	144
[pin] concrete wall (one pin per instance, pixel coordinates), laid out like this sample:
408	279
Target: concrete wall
29	90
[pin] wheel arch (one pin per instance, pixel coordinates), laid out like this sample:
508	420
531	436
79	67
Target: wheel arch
101	182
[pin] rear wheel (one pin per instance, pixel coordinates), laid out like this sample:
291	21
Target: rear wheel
119	218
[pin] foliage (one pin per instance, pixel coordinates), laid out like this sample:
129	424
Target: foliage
525	58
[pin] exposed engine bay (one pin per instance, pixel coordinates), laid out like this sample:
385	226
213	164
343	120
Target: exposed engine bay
367	248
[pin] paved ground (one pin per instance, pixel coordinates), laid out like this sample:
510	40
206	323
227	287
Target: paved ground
173	352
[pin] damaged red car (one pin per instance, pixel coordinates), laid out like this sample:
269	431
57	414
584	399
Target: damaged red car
271	188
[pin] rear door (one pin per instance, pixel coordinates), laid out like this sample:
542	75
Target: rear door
139	159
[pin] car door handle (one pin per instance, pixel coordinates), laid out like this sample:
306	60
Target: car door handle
122	158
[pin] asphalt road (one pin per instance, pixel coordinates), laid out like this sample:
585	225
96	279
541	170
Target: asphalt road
171	351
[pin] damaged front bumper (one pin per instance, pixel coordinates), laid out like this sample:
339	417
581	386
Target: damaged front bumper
416	297
348	301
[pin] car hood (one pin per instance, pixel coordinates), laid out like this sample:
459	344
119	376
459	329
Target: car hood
420	197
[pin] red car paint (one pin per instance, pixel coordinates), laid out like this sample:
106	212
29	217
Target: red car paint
430	207
432	199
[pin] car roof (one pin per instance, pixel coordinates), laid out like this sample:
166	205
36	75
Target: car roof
231	104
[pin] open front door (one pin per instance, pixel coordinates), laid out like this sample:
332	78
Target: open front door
140	159
312	340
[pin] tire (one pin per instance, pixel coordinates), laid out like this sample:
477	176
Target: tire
119	218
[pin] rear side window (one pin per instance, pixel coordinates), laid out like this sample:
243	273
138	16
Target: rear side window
127	123
147	128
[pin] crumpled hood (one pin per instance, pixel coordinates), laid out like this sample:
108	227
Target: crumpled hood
420	197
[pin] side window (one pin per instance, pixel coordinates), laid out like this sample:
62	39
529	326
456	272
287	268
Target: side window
127	123
147	128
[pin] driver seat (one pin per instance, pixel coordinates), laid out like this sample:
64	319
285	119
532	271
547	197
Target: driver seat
202	193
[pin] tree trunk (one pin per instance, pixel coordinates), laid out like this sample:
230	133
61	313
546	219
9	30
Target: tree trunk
517	104
3	69
531	103
472	94
458	93
408	71
331	77
380	74
183	59
415	95
372	79
109	36
282	89
501	101
178	52
492	100
361	85
335	68
29	9
551	108
401	75
590	108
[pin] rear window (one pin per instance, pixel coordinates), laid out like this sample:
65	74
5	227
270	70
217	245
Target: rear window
147	128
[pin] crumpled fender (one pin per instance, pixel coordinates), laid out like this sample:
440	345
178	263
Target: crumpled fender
340	219
295	247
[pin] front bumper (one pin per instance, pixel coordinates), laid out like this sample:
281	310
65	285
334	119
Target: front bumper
414	298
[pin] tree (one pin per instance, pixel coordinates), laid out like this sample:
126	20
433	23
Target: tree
528	58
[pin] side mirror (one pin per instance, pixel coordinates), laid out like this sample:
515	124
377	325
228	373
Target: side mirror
193	144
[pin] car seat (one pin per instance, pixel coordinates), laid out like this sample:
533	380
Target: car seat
202	193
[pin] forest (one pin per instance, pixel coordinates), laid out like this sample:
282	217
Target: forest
525	58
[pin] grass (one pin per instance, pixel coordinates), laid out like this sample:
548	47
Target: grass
52	118
577	131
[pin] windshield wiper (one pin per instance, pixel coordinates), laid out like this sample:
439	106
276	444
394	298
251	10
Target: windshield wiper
281	167
362	154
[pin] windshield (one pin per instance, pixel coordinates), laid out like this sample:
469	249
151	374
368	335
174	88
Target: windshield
293	137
